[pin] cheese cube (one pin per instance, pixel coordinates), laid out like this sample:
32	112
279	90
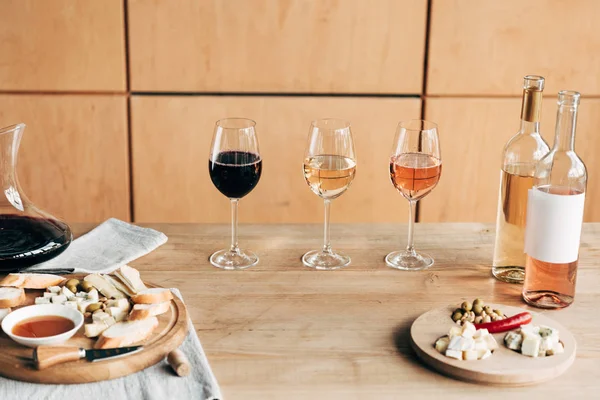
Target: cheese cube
118	313
546	344
83	295
550	333
95	329
71	304
486	354
455	331
480	344
99	316
454	354
42	300
78	299
513	340
123	304
557	349
109	321
531	345
83	305
470	355
54	289
49	294
93	295
491	342
468	330
480	333
442	344
59	299
67	293
530	330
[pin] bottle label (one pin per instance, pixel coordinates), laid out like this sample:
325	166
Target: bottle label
553	229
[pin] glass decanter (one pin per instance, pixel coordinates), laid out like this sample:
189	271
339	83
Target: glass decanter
28	235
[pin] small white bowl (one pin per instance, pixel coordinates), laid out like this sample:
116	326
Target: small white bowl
38	310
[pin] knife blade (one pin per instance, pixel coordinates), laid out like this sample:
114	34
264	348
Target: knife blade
47	356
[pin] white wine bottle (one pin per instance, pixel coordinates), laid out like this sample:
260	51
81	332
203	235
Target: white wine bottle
555	216
519	158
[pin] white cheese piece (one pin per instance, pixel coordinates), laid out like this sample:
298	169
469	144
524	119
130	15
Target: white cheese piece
99	316
78	299
468	330
513	340
442	344
83	305
59	299
454	354
71	304
42	300
546	344
480	344
118	313
83	295
455	331
470	355
109	321
66	292
485	355
123	304
549	333
54	289
531	345
491	342
557	349
49	294
479	333
93	295
530	330
95	329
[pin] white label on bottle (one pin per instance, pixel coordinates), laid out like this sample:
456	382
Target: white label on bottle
553	229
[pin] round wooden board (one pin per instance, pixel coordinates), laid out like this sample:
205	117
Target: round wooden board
505	367
16	362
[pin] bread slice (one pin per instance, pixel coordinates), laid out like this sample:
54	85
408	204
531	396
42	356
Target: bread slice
4	312
126	333
131	277
104	286
11	297
116	282
31	281
143	311
152	296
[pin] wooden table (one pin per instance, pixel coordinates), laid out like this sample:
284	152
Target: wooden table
280	330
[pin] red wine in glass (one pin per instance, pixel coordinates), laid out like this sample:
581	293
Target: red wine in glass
235	173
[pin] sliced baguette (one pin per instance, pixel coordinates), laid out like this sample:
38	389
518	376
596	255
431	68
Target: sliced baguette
11	297
126	333
31	281
4	312
143	311
131	277
152	296
116	282
104	286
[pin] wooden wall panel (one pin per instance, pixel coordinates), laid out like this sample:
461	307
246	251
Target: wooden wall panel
473	132
73	160
171	138
56	45
485	47
329	46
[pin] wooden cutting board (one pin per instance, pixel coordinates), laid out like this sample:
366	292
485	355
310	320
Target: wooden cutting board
16	363
505	367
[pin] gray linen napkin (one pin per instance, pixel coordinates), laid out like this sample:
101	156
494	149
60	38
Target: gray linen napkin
156	382
105	248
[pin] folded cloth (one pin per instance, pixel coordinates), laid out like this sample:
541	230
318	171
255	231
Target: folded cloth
105	248
156	382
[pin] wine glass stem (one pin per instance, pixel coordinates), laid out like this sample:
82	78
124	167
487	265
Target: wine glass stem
234	226
412	213
326	240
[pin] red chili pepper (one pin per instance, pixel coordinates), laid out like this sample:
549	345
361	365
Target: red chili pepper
507	324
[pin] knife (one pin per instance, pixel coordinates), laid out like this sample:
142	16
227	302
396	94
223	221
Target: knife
47	356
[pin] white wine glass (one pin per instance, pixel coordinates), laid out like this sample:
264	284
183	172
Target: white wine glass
415	169
235	166
329	169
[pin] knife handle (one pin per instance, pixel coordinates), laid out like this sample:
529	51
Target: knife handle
47	356
179	362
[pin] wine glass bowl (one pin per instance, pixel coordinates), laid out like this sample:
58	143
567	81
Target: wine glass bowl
415	169
329	169
235	167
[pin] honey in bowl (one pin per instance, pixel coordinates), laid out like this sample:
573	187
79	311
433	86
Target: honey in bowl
43	326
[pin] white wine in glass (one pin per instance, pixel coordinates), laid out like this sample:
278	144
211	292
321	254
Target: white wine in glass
329	169
415	169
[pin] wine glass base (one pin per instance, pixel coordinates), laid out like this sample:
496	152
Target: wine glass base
321	260
408	261
233	260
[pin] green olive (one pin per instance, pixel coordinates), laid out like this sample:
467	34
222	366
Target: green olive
72	282
93	307
466	306
72	288
477	308
488	309
499	313
86	286
478	302
457	310
456	316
